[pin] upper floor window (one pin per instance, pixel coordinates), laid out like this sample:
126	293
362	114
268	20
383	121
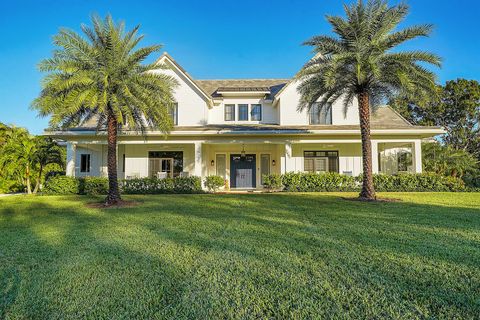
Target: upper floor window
229	112
320	114
174	114
256	112
243	112
85	162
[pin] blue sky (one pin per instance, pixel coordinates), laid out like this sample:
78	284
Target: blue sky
213	39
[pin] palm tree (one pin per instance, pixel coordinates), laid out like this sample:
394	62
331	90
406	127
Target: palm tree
101	76
18	158
359	62
48	151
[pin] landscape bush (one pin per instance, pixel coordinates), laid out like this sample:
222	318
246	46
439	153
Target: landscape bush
158	186
315	182
93	185
61	185
331	181
213	183
272	181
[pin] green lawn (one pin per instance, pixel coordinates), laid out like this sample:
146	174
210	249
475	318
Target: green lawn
241	256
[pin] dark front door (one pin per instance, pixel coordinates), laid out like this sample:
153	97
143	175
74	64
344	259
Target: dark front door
242	171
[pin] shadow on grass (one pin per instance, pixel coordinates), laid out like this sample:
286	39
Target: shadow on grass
257	255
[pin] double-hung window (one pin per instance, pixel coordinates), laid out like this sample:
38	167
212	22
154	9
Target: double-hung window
229	112
320	161
85	162
320	114
256	112
243	112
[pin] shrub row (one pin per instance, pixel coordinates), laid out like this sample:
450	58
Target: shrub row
96	185
312	182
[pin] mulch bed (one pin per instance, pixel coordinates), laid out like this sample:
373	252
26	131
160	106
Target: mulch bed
372	201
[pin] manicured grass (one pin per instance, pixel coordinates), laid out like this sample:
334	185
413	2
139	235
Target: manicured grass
241	256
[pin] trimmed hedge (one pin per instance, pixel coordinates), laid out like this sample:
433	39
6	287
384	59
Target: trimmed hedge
61	185
272	181
314	182
157	186
93	185
331	181
213	183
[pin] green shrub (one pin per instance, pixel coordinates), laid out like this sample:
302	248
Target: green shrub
213	183
312	182
272	181
331	181
61	185
157	186
93	185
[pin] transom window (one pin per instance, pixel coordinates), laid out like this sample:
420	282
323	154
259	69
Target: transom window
243	112
229	112
256	112
320	114
85	162
320	161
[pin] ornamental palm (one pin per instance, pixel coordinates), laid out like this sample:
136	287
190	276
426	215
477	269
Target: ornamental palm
359	63
101	76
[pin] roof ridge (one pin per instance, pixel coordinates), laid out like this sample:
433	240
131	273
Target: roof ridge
240	79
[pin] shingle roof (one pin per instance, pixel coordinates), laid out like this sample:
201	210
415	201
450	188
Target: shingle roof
211	86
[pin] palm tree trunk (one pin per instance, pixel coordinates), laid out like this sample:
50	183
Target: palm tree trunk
113	193
27	178
368	191
37	184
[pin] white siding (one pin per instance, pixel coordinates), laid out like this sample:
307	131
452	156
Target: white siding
289	115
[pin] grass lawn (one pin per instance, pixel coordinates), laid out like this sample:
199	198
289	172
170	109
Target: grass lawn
241	256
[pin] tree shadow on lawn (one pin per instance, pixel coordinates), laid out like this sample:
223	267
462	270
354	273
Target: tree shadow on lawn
253	255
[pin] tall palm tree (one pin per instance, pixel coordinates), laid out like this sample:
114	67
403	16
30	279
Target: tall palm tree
360	62
101	76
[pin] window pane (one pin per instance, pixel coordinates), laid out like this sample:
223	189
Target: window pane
309	154
243	112
85	163
319	114
320	165
264	165
256	113
333	164
174	114
221	165
229	112
308	164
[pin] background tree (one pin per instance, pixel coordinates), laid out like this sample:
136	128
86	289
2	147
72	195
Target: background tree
457	110
448	161
101	76
359	63
48	152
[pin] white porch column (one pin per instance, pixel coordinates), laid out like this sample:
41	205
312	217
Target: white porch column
287	165
417	156
198	159
374	156
71	156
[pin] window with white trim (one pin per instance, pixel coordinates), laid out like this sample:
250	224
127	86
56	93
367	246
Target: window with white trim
320	114
229	112
243	112
85	162
256	112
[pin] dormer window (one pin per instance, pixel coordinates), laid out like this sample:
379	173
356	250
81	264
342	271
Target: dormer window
243	112
320	114
229	112
256	112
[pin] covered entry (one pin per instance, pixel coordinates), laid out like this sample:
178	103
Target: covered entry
243	171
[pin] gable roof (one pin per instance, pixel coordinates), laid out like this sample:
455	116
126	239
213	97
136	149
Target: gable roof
166	56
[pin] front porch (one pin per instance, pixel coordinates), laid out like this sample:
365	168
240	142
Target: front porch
242	162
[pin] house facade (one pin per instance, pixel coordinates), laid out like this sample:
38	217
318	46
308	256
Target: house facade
242	129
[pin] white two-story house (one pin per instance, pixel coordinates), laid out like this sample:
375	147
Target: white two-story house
241	129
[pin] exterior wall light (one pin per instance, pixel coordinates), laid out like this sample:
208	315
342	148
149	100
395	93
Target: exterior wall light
212	163
273	163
